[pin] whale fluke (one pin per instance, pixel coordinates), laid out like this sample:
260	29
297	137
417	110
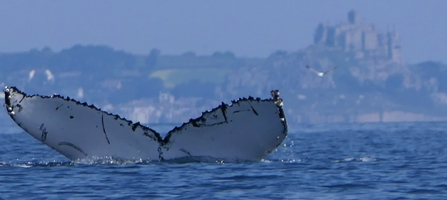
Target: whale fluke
246	130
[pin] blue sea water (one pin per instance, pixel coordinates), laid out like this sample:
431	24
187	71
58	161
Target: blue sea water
329	161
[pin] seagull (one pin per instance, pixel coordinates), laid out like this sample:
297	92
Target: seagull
319	73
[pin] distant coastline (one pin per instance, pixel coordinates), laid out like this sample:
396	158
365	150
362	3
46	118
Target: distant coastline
371	82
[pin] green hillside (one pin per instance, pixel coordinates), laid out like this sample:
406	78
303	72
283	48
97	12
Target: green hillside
174	77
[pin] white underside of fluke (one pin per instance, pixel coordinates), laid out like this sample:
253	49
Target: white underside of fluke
247	130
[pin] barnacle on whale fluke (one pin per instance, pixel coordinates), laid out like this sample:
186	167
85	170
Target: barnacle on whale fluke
247	130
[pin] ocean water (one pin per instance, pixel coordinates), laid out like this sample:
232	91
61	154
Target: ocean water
329	161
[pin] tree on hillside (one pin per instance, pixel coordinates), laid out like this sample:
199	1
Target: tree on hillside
152	58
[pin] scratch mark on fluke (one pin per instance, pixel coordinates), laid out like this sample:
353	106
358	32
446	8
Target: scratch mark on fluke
57	108
223	107
74	146
20	107
43	137
254	111
22	99
185	151
104	129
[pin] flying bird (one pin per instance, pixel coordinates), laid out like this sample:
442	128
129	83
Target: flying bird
319	73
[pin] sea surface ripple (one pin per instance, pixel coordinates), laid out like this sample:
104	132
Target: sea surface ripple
330	161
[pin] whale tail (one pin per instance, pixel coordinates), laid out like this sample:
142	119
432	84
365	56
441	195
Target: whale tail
247	130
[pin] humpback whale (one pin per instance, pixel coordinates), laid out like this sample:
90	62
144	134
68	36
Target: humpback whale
248	129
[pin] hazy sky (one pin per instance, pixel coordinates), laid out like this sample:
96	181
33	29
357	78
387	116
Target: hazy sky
253	28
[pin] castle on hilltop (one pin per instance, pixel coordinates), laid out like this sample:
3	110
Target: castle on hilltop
361	39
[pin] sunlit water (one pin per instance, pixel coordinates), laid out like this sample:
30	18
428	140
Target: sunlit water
332	161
